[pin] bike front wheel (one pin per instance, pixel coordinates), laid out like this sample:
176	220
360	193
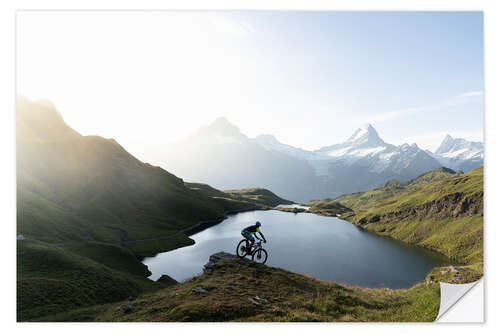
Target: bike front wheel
260	256
241	249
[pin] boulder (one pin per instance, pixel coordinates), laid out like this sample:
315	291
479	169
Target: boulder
200	290
256	300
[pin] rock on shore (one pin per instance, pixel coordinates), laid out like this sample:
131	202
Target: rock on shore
220	259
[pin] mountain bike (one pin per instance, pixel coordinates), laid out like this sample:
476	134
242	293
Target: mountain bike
258	253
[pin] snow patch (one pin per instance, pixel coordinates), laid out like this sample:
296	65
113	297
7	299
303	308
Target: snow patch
454	154
359	134
339	152
366	152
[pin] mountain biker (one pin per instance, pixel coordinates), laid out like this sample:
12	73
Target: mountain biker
249	232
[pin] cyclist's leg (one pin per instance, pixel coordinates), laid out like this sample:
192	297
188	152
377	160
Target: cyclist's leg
252	240
248	238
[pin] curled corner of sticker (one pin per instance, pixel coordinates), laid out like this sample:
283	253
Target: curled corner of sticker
451	294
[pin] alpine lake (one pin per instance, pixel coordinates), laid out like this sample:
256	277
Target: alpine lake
327	248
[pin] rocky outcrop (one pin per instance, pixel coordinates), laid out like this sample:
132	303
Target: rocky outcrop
453	274
452	205
221	259
200	290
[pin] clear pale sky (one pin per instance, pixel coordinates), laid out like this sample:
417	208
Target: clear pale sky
310	78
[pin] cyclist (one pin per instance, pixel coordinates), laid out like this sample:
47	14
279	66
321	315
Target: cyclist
249	232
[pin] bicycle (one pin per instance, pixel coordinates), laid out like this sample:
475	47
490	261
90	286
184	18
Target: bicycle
258	254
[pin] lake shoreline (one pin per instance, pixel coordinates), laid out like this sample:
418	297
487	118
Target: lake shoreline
203	225
178	268
452	261
194	229
424	246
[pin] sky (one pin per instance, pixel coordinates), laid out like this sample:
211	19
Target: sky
310	78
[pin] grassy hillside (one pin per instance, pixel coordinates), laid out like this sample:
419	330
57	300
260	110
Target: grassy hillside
259	195
439	210
362	201
96	180
88	209
53	278
240	290
258	198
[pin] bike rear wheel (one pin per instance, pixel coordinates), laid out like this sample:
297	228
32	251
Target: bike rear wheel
260	256
241	249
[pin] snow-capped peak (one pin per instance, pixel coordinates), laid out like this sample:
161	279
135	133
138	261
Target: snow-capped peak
366	135
460	154
446	145
450	144
365	138
447	138
363	144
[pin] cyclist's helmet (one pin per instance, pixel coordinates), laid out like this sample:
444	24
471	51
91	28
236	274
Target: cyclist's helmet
258	224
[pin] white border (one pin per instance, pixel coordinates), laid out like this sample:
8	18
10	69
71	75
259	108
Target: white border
492	138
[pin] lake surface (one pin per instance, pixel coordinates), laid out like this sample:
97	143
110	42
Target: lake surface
324	247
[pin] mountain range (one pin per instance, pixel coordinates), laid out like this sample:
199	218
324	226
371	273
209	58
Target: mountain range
459	154
219	154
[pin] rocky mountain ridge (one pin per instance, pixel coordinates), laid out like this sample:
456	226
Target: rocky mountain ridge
230	159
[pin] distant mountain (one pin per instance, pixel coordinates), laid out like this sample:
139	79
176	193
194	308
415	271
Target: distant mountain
460	154
270	143
318	162
366	148
219	154
365	161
